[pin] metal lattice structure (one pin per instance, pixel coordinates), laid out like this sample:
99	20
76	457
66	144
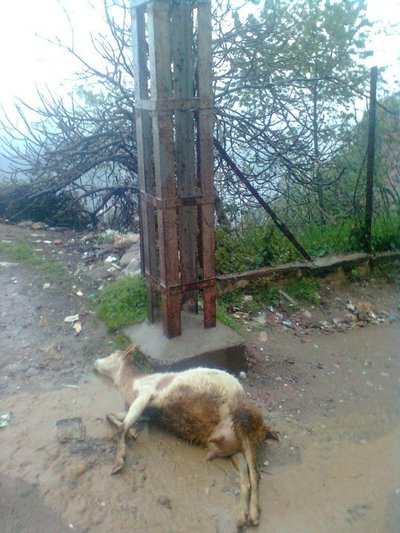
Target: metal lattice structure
174	119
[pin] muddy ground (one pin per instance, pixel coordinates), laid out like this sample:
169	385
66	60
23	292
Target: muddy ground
333	395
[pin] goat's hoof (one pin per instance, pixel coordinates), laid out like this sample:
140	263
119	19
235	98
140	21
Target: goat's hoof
133	433
113	420
118	467
254	517
241	522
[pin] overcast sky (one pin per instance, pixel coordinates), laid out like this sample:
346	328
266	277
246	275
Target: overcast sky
28	60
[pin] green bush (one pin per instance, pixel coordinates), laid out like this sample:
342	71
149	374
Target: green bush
123	302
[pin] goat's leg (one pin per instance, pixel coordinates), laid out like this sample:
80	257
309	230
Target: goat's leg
240	464
135	410
250	456
116	418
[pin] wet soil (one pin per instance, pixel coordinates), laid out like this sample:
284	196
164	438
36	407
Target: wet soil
333	395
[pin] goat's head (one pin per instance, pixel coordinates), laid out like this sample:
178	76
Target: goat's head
111	365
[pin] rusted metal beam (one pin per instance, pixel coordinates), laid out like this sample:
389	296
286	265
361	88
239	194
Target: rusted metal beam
369	187
279	224
206	162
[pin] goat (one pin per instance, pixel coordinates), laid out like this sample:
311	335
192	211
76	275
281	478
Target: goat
203	406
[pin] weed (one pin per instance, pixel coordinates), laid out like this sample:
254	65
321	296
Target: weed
122	302
264	295
389	270
224	317
304	289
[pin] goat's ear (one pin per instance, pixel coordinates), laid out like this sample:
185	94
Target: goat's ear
129	349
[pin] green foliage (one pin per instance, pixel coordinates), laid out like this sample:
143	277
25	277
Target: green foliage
389	270
305	290
251	248
386	232
294	73
320	240
258	245
122	302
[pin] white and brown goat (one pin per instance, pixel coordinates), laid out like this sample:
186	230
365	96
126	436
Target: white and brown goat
203	406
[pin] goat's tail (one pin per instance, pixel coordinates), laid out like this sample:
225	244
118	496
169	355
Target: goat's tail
249	424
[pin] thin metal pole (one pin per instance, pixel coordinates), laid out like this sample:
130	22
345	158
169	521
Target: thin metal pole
369	193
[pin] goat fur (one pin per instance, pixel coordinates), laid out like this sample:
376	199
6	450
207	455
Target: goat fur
203	406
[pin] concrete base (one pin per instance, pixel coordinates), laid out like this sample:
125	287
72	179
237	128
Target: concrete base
218	347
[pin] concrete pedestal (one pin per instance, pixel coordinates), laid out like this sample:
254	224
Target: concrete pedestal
218	347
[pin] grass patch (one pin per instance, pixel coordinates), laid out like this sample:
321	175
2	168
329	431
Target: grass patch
123	302
48	268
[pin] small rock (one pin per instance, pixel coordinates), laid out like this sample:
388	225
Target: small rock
25	224
111	259
70	429
247	298
77	470
364	309
58	242
71	318
99	273
165	502
263	336
123	241
240	315
128	257
39	225
242	375
260	320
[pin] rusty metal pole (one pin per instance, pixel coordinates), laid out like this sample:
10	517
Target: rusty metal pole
369	193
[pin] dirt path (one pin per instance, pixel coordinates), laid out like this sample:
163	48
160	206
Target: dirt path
334	398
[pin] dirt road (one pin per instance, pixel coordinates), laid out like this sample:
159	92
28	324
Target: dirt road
334	398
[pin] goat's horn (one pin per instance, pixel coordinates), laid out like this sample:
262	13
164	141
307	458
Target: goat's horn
129	349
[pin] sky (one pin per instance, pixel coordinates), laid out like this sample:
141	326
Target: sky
28	60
